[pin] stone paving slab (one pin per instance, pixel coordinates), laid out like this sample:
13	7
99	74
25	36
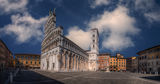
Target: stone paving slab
46	77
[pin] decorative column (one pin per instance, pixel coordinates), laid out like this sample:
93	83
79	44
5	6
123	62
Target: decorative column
82	63
79	64
68	59
59	61
66	62
86	64
71	62
75	63
84	67
64	58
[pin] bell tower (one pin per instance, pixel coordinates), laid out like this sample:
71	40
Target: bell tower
95	39
94	46
51	22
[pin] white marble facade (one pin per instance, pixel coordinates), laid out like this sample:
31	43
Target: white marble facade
58	53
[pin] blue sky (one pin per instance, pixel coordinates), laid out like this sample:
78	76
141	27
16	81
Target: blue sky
125	26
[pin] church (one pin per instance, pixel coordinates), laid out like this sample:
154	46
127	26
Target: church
60	54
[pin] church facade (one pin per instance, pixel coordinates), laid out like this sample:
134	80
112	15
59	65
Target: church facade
59	53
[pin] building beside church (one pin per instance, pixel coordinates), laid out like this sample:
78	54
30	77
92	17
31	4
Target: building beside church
103	62
149	60
59	53
132	64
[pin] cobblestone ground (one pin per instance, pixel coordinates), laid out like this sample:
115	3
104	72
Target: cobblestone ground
46	77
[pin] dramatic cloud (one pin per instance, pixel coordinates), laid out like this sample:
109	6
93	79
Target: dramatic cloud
149	8
116	26
80	37
96	3
144	4
119	26
8	6
24	27
153	16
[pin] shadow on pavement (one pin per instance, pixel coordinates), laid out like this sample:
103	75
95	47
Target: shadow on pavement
156	78
3	77
31	77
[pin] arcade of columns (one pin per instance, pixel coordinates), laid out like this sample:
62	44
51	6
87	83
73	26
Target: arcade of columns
72	62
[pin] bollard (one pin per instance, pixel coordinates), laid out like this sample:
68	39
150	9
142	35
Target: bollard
156	73
11	78
15	73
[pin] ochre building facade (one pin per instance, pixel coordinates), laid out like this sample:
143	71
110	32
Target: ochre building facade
27	61
117	63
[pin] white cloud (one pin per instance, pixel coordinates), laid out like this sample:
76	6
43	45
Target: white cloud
149	8
24	27
144	5
8	6
96	3
153	16
117	42
80	37
119	26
